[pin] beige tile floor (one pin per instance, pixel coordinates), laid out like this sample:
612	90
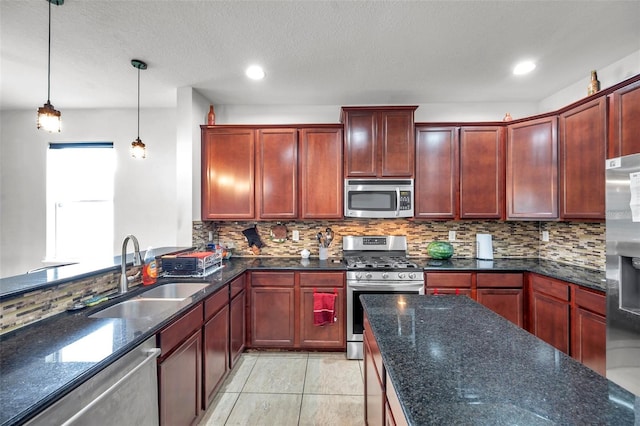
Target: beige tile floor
290	388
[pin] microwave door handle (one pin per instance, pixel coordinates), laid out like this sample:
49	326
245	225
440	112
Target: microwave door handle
397	201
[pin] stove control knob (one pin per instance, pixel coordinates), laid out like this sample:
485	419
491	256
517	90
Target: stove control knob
358	276
368	275
412	275
385	275
401	275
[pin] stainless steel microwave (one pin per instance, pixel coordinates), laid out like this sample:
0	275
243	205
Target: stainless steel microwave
378	198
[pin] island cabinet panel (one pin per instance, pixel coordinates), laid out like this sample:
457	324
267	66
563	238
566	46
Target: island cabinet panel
215	343
482	170
436	183
237	319
228	156
503	293
374	375
393	414
624	126
549	311
277	173
321	175
272	309
329	336
532	170
582	141
589	328
379	141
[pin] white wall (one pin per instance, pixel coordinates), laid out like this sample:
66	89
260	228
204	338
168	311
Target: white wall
145	191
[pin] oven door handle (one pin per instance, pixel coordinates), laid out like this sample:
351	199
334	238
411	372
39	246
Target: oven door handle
397	201
413	286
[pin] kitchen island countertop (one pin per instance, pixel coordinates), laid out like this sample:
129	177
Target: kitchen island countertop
453	361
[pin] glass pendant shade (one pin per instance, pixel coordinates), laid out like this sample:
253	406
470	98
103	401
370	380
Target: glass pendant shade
49	118
138	149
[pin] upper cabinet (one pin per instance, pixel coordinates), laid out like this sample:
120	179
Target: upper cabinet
624	125
482	172
379	141
582	140
321	178
228	189
532	170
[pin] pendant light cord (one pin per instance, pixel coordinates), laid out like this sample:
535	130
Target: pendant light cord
138	103
49	61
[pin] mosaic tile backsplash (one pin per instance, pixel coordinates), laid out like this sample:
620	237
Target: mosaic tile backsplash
581	244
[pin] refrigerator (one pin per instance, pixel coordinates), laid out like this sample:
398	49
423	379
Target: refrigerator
623	271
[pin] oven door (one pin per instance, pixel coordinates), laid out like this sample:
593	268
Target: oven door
355	312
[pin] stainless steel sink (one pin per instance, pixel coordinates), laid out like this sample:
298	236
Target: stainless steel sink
139	308
177	291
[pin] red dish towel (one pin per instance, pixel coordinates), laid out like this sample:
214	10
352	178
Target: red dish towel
323	308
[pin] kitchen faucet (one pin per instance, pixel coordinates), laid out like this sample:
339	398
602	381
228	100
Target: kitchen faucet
137	261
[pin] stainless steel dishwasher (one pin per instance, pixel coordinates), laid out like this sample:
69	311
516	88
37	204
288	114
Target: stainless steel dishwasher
125	393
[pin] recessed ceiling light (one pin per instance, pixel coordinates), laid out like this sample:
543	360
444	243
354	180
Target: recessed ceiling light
524	67
255	72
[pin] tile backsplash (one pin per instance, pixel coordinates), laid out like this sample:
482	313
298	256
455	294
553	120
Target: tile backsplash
581	244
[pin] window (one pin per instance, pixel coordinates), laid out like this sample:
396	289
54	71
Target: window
80	182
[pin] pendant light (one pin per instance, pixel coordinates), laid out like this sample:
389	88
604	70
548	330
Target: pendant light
138	149
48	116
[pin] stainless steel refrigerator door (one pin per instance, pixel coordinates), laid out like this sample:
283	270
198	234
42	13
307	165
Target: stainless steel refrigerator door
623	271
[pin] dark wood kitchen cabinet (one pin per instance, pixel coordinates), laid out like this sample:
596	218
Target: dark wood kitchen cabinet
321	175
228	189
180	369
624	126
330	336
277	173
374	375
503	293
449	283
379	141
582	140
482	172
549	311
215	343
272	309
237	319
532	170
436	183
589	329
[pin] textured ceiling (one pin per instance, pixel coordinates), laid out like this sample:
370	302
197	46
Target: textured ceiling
314	52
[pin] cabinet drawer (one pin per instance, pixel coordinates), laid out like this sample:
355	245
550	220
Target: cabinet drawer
237	286
592	301
484	280
322	279
272	279
182	328
550	287
216	302
449	279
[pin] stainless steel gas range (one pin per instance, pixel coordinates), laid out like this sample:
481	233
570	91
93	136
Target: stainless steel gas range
375	265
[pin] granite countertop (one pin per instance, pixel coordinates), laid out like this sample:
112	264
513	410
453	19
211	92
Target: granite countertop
43	361
453	361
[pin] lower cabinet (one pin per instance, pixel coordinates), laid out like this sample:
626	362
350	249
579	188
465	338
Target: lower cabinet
503	293
215	343
180	370
237	319
374	395
449	283
281	310
549	311
589	329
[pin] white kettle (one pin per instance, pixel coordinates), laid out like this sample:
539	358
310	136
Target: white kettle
484	247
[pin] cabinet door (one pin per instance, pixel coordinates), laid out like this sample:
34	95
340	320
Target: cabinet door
582	155
237	327
361	146
374	397
330	336
532	170
397	143
436	183
321	179
482	172
508	303
624	124
550	311
228	189
589	340
277	173
216	353
179	383
272	317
